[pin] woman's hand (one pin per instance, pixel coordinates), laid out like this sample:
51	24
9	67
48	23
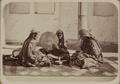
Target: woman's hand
86	55
53	56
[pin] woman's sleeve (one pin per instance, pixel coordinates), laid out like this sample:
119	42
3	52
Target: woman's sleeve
31	52
95	48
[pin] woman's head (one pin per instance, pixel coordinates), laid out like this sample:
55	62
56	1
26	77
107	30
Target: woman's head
84	33
34	33
59	33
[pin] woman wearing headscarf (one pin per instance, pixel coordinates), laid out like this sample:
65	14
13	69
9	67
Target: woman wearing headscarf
61	49
90	53
28	52
28	56
90	46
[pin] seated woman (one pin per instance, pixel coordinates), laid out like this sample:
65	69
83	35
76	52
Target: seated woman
90	51
27	55
90	46
61	49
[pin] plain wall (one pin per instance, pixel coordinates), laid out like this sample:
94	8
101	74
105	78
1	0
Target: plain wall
69	19
104	28
18	26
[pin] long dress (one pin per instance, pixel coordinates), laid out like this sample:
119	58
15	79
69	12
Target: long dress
61	49
92	49
29	57
90	54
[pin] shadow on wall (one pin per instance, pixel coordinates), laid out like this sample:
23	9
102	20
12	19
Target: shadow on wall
72	45
106	47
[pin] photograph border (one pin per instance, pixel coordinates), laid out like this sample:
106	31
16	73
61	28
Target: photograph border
69	80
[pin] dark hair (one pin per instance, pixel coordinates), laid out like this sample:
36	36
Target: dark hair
61	41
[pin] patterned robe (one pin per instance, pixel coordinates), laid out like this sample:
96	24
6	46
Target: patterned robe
90	54
92	49
29	57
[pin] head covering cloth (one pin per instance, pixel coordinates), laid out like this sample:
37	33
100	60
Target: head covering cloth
61	41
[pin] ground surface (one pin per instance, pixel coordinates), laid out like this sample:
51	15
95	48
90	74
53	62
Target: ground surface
108	69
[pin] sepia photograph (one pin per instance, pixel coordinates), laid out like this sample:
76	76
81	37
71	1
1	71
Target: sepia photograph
59	41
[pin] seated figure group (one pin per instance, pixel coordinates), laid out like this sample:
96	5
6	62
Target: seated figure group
88	55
